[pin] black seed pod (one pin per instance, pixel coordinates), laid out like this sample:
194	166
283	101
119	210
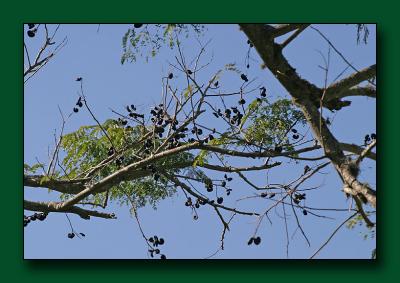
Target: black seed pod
244	77
30	33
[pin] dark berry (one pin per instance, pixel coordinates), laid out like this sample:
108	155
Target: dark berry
263	91
250	241
304	212
31	33
41	216
163	257
189	72
220	200
242	101
71	235
257	240
244	77
31	26
373	136
138	25
170	76
78	79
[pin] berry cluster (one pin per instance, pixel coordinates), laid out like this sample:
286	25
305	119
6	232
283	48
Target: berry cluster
199	202
155	241
295	134
131	109
36	216
263	91
161	119
255	240
79	104
223	184
368	139
264	195
32	30
299	197
234	119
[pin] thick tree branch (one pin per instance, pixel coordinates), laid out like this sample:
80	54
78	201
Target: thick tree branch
357	150
53	207
62	186
283	29
307	97
354	79
368	91
294	35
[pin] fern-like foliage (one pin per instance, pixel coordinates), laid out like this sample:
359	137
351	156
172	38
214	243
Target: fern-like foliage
147	41
269	123
88	146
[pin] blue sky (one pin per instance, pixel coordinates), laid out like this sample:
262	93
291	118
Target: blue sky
95	56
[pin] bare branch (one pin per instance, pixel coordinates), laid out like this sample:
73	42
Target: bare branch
294	35
333	234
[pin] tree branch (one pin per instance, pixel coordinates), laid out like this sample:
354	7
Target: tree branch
357	150
354	79
53	207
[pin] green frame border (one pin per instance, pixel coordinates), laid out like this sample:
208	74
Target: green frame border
13	266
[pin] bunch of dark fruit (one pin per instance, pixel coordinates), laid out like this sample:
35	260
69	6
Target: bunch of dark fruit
156	241
299	197
36	216
32	30
255	240
79	104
